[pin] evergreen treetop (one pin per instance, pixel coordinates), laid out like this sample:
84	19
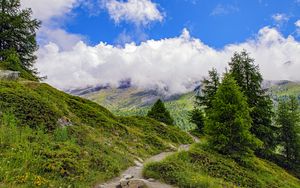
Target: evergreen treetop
160	113
209	88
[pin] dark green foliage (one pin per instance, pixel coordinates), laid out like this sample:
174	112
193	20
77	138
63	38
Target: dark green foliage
229	122
208	90
18	33
12	62
160	113
288	118
197	117
248	77
37	150
202	167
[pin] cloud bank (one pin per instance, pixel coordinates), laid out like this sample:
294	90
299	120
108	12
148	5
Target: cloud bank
173	63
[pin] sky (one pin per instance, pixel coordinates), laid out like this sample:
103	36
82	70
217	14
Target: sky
161	43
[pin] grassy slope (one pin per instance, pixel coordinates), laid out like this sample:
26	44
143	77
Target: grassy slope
133	101
286	89
36	150
201	167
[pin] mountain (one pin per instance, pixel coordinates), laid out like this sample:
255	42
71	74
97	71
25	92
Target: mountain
134	101
53	139
128	100
284	88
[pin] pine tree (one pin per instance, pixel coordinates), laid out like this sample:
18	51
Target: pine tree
160	113
249	79
18	33
208	89
229	122
288	118
197	117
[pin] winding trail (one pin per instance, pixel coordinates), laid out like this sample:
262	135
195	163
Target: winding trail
136	171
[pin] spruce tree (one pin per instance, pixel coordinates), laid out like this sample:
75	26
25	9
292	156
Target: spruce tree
160	113
229	122
18	34
197	117
208	89
249	79
288	118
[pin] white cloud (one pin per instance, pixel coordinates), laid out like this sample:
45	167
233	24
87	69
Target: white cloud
64	40
280	18
45	10
50	31
297	24
139	12
221	9
174	63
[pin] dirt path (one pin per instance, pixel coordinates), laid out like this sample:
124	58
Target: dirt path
135	172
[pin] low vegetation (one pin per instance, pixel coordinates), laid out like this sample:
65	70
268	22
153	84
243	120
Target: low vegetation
49	138
203	167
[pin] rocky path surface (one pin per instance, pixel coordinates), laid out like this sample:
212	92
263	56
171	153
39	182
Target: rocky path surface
133	177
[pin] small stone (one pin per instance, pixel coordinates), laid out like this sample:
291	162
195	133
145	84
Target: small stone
137	163
127	176
133	183
151	180
172	147
100	186
140	160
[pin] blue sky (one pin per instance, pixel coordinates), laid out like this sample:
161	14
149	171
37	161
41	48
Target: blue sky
162	43
215	22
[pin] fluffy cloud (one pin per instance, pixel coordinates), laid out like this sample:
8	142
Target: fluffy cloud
64	40
280	18
139	12
173	63
45	10
52	14
297	24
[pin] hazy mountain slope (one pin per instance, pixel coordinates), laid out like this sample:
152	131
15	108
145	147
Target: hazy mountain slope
49	138
285	88
134	101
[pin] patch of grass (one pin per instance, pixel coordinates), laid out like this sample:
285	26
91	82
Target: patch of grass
201	167
51	139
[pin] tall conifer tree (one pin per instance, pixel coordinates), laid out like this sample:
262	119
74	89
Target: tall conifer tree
229	122
18	34
288	118
248	77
